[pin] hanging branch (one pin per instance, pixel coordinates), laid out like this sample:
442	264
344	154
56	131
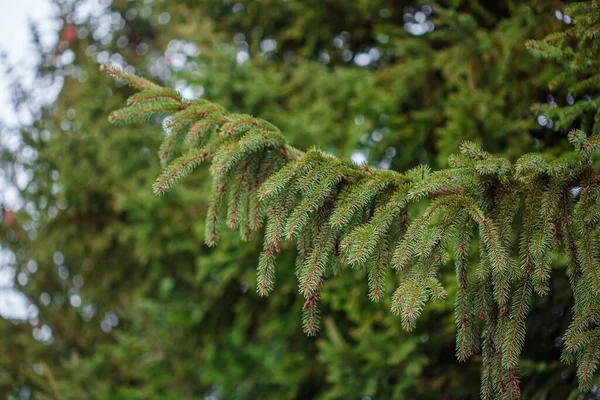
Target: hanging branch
342	216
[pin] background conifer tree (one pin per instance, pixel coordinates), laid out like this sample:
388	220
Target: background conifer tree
413	105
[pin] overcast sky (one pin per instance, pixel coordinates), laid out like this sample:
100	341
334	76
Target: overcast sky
14	31
15	40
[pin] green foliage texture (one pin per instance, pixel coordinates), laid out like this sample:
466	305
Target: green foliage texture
506	244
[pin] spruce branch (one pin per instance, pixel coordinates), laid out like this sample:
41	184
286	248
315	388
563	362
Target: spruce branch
342	216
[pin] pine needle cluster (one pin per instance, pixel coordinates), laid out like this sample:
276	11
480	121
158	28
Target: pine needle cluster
343	216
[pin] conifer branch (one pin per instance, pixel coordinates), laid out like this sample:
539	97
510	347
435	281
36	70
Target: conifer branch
342	216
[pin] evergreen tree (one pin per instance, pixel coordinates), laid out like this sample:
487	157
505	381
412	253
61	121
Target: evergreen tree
191	311
343	215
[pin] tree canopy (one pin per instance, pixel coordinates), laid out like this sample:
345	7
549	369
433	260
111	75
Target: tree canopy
396	85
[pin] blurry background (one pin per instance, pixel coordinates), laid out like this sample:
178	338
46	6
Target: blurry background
107	292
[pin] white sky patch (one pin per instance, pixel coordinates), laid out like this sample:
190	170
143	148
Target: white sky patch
362	59
15	42
358	158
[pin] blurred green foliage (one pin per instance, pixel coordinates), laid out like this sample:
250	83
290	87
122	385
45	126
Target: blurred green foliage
189	322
